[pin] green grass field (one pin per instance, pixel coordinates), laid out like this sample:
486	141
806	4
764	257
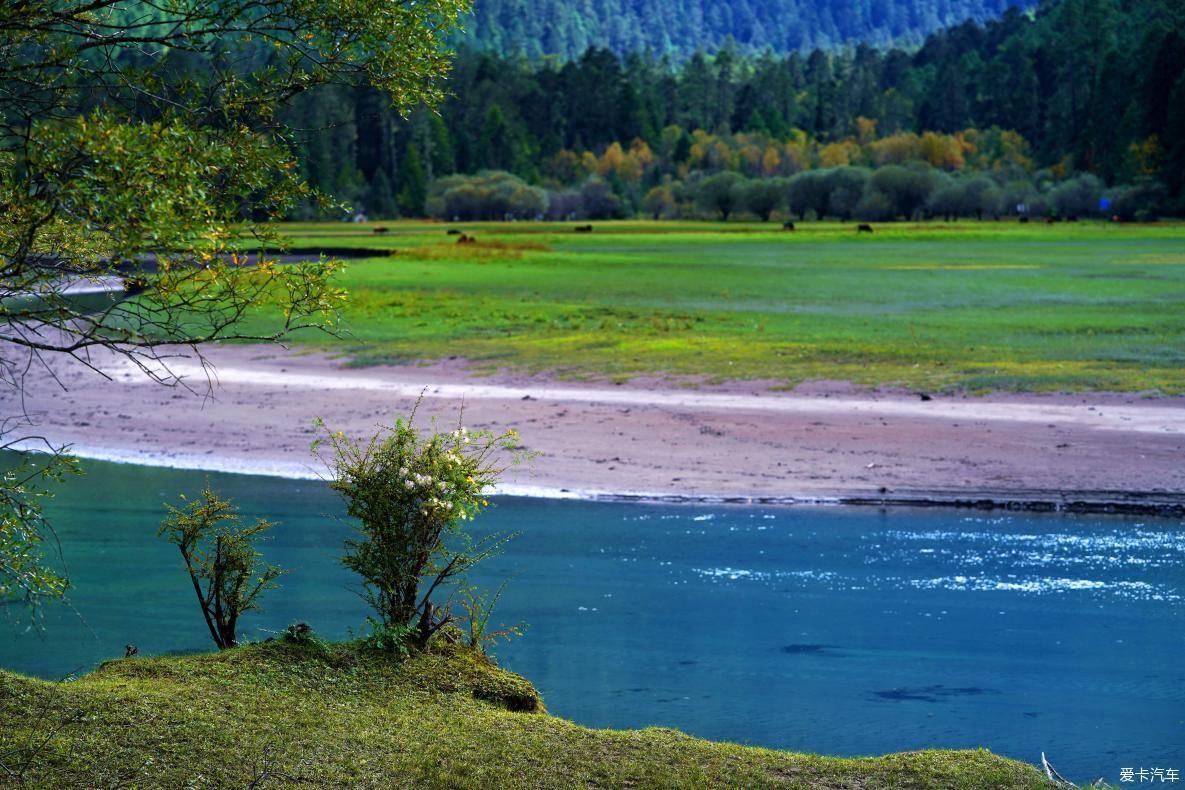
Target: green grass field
964	306
283	715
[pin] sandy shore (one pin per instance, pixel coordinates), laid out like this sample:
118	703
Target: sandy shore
658	439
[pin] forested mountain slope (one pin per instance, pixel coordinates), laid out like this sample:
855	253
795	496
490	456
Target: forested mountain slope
681	27
1031	99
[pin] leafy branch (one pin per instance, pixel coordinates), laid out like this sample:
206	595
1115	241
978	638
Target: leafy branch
224	567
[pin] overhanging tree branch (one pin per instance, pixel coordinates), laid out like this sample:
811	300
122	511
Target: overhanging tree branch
142	152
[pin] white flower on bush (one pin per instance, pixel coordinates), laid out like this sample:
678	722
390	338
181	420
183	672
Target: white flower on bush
438	481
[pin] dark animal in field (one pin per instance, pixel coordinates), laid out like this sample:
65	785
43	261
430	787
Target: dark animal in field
1050	220
787	225
466	239
863	228
584	228
382	230
1024	219
453	231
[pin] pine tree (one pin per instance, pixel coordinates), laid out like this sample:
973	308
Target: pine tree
380	197
413	186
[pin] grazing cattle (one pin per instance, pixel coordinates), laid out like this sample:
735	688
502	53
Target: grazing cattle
787	225
584	228
863	228
466	239
1024	219
382	230
453	231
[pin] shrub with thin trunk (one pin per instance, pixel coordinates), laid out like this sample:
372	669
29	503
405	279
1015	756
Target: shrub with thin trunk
412	495
227	573
722	193
763	196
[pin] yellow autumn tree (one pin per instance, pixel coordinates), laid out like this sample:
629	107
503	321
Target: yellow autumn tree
942	151
771	161
838	154
865	129
896	149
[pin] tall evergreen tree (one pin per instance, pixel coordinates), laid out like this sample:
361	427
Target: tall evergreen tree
413	185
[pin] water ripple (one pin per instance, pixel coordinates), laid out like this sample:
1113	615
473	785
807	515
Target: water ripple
1139	591
1025	585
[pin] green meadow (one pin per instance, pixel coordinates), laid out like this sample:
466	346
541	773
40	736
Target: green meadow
970	305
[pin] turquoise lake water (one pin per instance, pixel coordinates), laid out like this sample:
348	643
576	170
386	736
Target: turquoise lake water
829	630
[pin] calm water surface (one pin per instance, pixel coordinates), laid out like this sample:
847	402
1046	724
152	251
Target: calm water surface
824	630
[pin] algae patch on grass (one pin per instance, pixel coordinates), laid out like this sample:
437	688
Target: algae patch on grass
281	714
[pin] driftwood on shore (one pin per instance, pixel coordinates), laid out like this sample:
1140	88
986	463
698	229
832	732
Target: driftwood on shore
1053	775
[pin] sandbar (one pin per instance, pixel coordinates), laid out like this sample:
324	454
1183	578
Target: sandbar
250	408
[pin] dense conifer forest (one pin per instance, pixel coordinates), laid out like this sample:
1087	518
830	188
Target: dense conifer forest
1082	96
681	27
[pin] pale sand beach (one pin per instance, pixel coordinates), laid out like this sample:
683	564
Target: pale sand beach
655	438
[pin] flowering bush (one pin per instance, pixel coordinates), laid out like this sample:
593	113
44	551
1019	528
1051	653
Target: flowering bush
411	495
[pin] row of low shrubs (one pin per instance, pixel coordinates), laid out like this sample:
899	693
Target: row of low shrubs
891	192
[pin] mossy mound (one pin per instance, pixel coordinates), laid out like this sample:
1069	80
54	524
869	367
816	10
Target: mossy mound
281	714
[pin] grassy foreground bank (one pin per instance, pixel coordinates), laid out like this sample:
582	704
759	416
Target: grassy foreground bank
281	714
961	306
